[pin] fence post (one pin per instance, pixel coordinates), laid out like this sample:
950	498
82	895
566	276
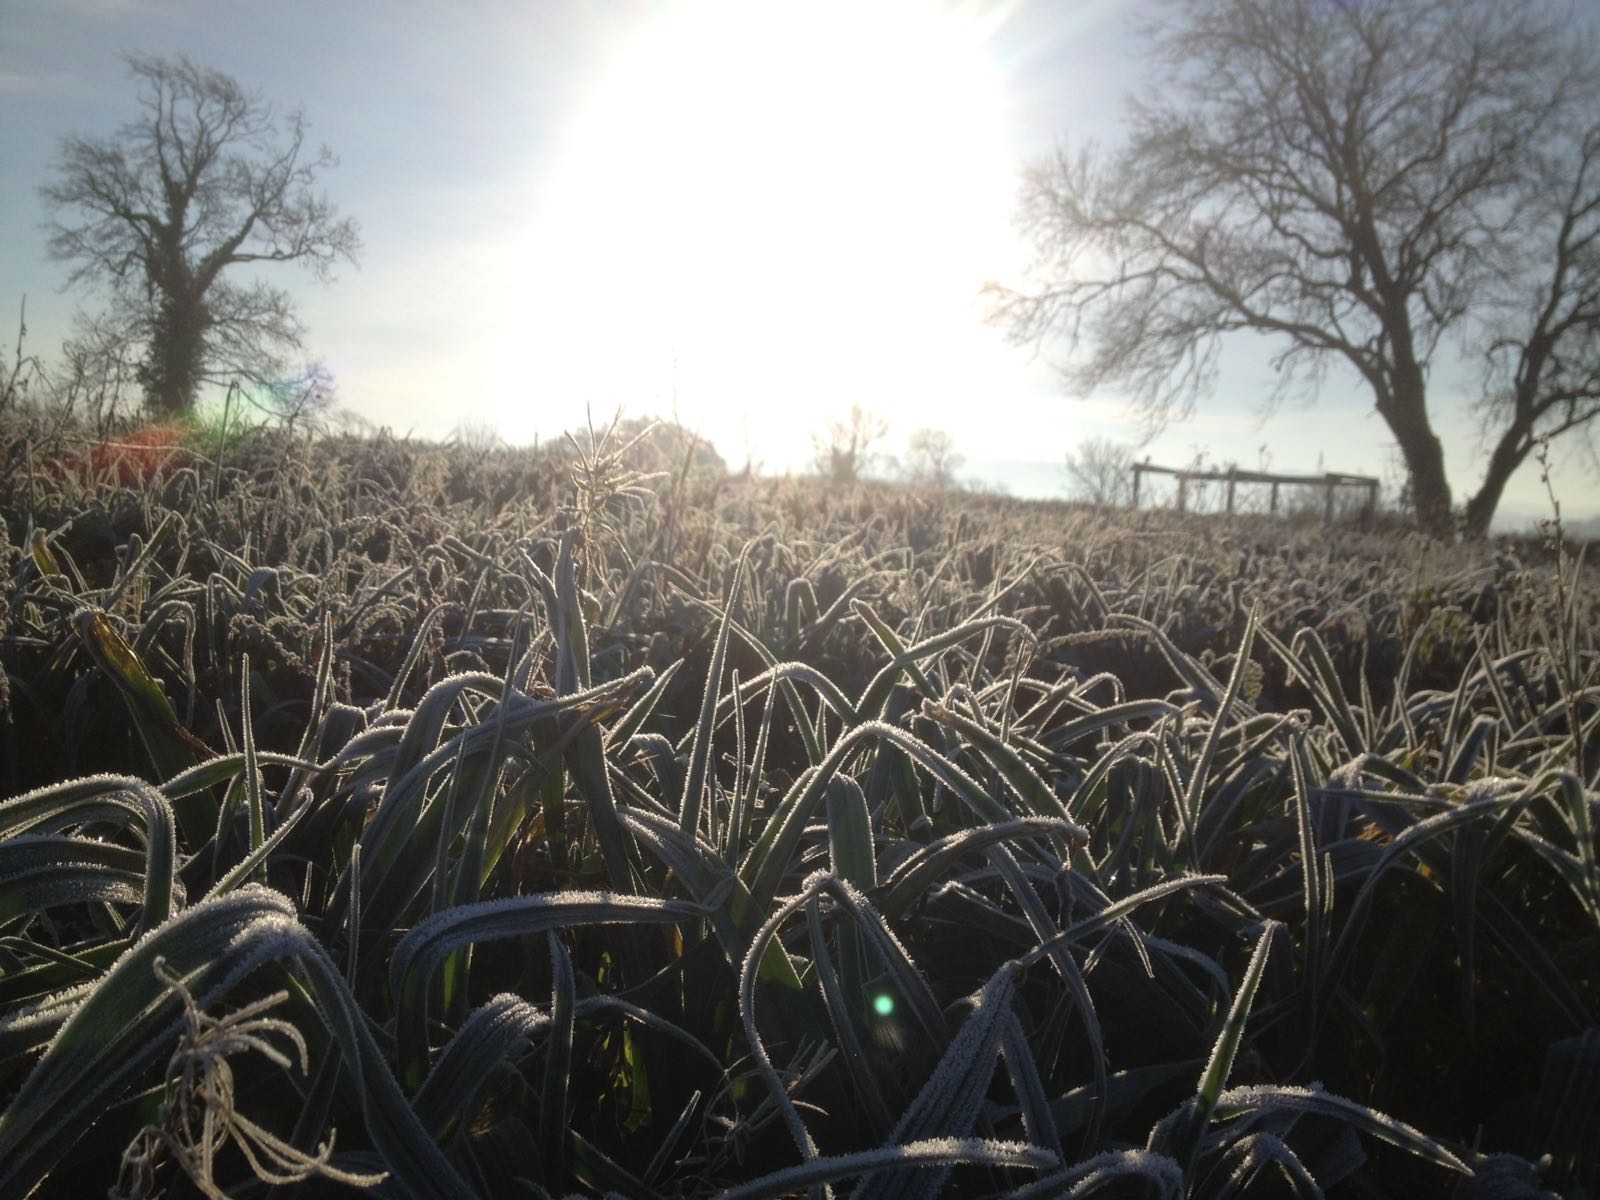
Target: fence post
1138	472
1274	506
1231	482
1183	492
1327	503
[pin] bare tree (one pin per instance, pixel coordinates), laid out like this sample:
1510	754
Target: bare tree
843	452
1364	184
932	459
1100	472
208	179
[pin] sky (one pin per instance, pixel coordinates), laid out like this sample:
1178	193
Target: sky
746	216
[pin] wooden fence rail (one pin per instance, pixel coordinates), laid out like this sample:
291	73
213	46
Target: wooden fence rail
1233	476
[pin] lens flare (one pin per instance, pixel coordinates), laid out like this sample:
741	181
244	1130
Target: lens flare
883	1004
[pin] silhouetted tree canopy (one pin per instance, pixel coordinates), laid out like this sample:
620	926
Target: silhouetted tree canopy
208	179
1100	472
843	451
932	459
1371	185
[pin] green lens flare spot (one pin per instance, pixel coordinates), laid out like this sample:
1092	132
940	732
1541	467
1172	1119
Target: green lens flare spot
883	1004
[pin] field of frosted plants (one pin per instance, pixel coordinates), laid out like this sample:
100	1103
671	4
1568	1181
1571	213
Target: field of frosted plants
453	821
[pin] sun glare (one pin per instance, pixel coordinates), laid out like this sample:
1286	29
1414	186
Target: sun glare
767	214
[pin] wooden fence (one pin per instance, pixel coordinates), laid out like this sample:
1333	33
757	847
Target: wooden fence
1232	476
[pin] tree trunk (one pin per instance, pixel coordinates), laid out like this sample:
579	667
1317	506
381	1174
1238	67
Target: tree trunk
171	373
1407	416
1429	490
1508	454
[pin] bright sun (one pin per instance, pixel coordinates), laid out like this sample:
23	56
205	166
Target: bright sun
768	213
